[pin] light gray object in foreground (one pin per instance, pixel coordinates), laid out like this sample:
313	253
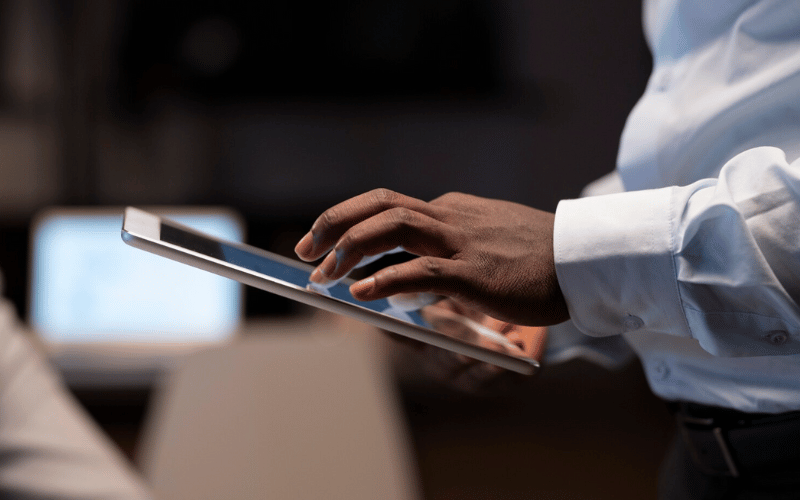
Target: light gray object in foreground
49	448
300	417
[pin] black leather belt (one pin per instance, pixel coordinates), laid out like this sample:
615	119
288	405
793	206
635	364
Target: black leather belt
726	442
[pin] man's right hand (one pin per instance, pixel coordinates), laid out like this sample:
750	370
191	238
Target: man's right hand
490	255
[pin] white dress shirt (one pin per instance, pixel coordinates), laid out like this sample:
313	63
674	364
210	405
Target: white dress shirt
697	262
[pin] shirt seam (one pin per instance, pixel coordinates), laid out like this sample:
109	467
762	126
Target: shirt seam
744	313
672	252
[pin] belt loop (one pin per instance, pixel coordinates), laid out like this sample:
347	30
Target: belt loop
726	452
706	425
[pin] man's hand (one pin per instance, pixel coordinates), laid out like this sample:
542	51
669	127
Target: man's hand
492	256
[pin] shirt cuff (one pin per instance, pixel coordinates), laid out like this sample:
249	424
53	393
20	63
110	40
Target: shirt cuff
614	262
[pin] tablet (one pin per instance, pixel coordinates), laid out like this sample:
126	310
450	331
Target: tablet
289	278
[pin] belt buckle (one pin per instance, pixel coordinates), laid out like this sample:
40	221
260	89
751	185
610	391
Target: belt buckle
699	455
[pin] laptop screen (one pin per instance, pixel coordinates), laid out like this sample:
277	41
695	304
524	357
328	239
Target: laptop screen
88	286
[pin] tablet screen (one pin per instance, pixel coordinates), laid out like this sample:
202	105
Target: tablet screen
288	271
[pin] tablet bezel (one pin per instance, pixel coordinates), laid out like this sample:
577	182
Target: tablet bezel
142	230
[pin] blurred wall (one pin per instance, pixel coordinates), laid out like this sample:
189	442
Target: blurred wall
281	109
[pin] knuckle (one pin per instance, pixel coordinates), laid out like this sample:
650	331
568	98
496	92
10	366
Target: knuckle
401	216
449	197
432	267
384	197
328	219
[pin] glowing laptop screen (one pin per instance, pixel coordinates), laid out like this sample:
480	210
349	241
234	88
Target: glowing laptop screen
88	286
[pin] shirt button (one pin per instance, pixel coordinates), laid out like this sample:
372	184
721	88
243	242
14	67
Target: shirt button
631	323
661	370
777	337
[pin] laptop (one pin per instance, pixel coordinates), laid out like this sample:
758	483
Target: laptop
109	315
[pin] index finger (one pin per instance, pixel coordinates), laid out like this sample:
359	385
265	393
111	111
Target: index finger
335	221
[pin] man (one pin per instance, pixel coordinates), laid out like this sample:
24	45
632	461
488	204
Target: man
692	252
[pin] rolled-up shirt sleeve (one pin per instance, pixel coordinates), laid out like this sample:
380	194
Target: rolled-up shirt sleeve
717	260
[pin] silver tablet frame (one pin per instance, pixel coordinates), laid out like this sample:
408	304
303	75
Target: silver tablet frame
141	229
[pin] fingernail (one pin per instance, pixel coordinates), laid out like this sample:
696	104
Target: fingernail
363	286
318	277
328	265
305	245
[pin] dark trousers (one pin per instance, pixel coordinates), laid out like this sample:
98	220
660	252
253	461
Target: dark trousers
682	475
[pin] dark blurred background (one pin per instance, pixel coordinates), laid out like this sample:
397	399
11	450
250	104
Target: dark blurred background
280	109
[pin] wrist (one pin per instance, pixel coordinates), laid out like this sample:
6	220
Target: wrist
614	262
